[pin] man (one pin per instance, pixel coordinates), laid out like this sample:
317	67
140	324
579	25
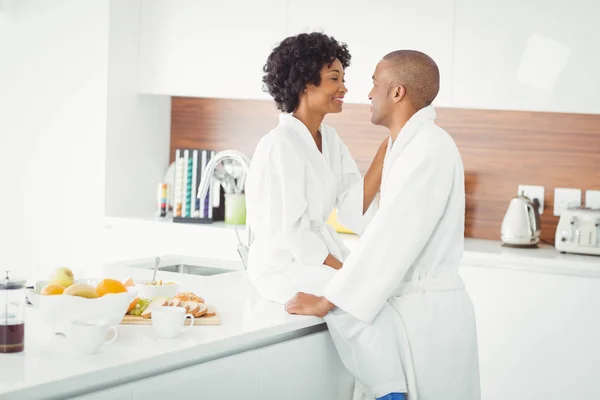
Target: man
397	310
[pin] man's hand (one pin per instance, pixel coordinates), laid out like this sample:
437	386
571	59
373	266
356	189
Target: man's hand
308	304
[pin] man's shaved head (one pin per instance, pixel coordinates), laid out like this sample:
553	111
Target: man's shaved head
417	72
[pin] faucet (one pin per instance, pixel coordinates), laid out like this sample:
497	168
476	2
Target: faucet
207	176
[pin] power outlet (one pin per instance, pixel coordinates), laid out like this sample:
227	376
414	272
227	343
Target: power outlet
533	192
566	198
592	199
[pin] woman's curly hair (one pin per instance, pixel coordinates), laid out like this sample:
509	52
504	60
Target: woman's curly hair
297	61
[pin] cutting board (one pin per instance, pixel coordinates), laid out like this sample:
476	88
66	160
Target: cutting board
214	320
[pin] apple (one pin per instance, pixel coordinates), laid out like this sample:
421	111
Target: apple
62	276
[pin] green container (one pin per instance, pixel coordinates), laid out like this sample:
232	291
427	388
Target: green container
235	209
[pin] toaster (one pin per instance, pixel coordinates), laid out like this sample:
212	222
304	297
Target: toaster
578	231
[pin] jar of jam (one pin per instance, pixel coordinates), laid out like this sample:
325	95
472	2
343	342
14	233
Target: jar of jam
12	315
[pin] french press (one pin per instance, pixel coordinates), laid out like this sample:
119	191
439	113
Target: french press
12	315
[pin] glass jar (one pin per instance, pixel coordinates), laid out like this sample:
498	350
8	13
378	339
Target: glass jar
12	315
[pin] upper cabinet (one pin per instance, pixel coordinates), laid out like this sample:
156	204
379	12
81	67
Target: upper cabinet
374	28
527	55
208	49
514	55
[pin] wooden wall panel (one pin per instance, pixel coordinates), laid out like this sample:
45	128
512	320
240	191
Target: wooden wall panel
500	149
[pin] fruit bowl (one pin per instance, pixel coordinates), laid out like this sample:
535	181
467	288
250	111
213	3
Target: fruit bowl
58	311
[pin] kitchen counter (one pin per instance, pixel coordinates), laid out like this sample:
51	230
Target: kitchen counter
50	369
543	259
165	237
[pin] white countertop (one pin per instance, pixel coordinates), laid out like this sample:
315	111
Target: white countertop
544	259
166	237
48	368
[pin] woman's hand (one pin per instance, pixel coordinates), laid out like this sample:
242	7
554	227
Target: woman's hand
332	262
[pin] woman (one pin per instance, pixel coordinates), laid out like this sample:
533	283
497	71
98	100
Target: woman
301	170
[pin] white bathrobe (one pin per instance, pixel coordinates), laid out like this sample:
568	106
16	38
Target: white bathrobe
404	321
291	190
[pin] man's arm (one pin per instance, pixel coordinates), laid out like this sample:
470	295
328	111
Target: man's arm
390	245
308	304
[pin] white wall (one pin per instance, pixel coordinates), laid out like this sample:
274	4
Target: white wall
138	127
53	85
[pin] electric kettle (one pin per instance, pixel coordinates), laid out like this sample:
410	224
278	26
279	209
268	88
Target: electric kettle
521	223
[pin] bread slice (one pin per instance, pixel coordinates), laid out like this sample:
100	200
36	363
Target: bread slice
173	302
211	313
202	309
157	303
129	282
191	307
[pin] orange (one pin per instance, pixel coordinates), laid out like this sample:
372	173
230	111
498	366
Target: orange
107	286
52	289
132	305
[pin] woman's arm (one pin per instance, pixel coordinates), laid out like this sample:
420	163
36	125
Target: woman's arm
372	180
355	201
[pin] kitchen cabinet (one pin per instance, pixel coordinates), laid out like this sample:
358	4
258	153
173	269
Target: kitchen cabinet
202	49
522	55
373	29
304	368
229	378
513	56
537	332
123	392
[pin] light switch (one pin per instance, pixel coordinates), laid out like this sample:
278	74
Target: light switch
592	199
566	198
533	192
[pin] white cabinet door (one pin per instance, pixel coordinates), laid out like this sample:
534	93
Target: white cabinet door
230	378
304	368
208	49
124	392
374	28
527	55
538	334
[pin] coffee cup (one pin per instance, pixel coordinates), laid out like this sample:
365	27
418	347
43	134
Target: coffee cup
168	321
89	336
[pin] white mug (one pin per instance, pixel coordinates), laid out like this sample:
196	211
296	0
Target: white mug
90	336
168	321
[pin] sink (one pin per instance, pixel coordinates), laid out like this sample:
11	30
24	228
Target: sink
188	265
194	269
